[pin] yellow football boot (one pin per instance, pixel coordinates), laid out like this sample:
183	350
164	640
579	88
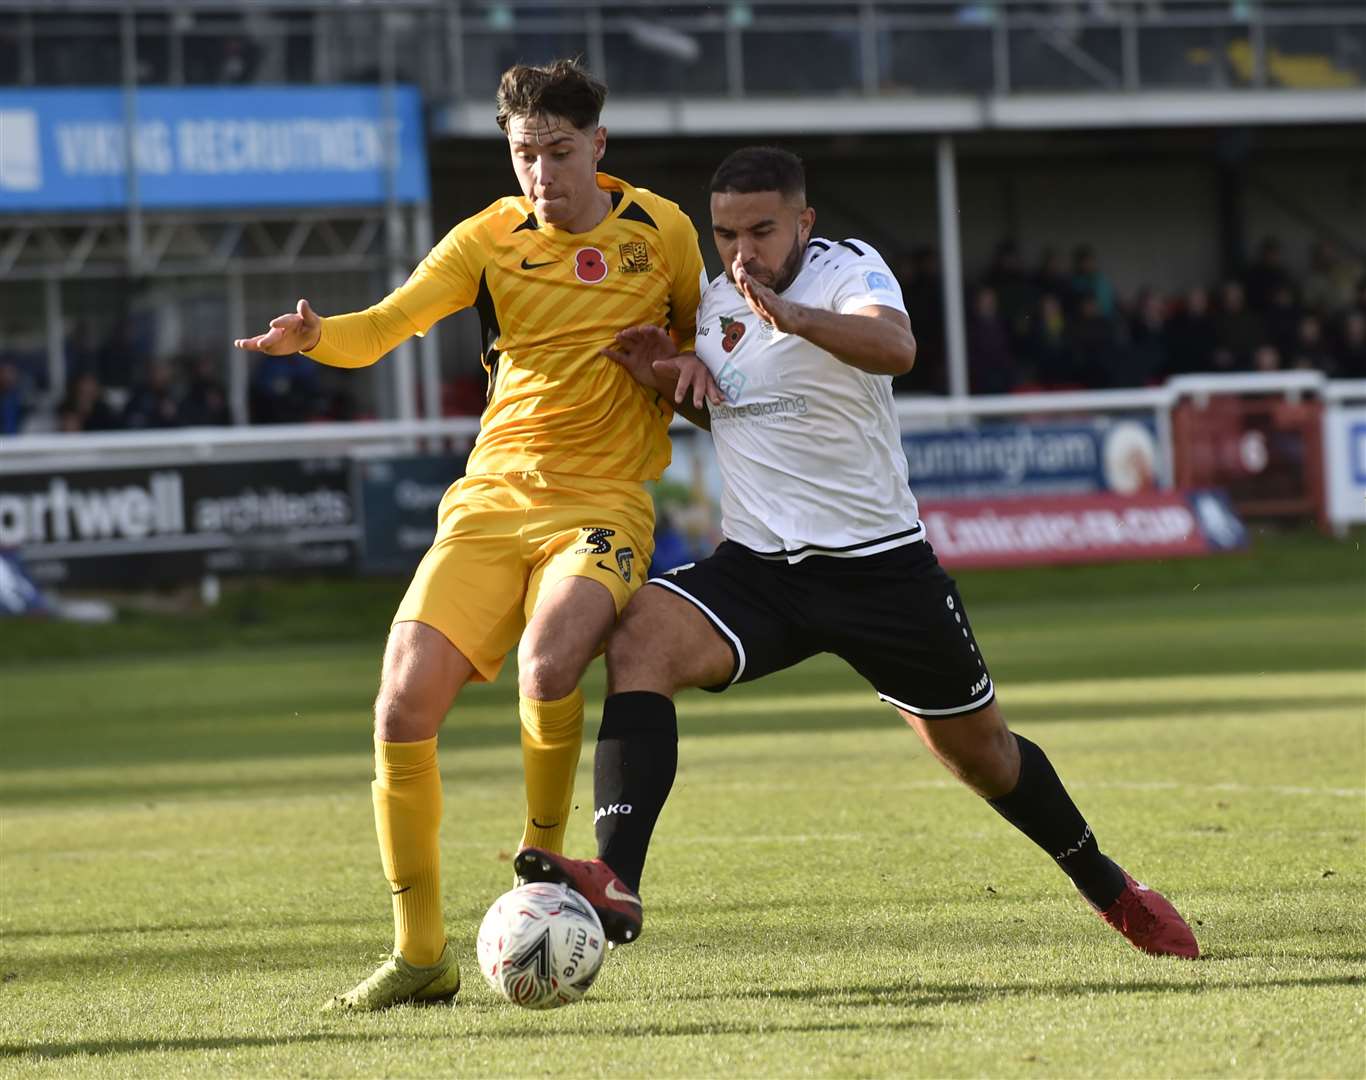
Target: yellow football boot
397	982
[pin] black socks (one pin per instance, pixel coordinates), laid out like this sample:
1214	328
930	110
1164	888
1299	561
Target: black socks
1040	807
633	772
637	758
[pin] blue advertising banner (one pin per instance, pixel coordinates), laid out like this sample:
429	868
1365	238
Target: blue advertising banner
67	149
1082	457
399	499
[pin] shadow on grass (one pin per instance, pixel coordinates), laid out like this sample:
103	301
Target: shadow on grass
224	746
928	995
99	1047
201	926
103	1047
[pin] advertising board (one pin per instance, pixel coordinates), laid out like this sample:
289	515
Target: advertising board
968	534
1034	458
1344	436
67	149
122	528
399	499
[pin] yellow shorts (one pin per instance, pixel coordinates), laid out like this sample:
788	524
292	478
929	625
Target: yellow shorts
503	541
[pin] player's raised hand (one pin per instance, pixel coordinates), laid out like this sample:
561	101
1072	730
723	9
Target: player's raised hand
689	376
762	300
637	348
298	331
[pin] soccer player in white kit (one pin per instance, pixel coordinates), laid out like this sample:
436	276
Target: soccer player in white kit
823	552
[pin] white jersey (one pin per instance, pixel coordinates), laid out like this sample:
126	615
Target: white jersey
809	448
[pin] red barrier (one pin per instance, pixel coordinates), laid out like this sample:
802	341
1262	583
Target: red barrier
1266	452
967	534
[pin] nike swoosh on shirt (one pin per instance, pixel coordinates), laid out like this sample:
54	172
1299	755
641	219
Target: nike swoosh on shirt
613	893
536	266
604	566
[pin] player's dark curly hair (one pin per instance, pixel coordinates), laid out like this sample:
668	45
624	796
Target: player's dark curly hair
561	88
761	168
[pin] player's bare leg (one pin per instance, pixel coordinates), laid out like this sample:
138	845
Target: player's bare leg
422	674
564	634
977	748
661	645
1017	779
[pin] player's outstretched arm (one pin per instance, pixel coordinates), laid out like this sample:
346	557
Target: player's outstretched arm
875	339
653	360
298	331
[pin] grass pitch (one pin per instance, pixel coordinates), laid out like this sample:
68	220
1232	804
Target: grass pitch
188	868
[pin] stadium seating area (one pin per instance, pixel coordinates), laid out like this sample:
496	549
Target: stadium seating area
921	47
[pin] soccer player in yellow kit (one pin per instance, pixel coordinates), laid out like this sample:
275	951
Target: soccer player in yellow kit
550	530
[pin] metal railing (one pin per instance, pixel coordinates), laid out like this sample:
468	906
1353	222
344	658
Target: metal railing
755	48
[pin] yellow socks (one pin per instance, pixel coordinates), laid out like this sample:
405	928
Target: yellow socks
407	794
552	732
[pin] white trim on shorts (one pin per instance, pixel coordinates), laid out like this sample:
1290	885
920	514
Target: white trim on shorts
712	616
985	699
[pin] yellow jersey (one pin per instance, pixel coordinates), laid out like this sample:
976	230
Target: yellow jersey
549	301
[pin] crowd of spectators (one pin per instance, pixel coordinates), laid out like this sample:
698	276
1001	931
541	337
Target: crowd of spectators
185	392
1049	327
1053	327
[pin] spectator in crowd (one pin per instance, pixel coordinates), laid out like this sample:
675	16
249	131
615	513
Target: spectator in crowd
1237	330
1266	358
84	407
1311	351
206	400
1282	319
1017	296
1351	351
1087	280
1050	351
82	348
13	406
1191	336
1050	278
1331	281
991	366
1094	345
1266	274
284	390
116	359
152	403
1146	357
923	289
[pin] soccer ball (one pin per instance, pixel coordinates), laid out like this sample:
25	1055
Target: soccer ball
541	945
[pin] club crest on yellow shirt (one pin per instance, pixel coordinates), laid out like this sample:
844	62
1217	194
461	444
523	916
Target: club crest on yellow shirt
635	258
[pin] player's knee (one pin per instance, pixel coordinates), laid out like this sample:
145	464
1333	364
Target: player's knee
638	654
403	713
545	676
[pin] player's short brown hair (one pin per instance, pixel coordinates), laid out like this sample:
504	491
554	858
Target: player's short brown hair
561	88
761	168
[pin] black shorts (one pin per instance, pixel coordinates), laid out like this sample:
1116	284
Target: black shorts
896	618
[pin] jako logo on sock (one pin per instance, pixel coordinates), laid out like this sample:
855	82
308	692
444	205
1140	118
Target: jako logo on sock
1085	836
615	808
